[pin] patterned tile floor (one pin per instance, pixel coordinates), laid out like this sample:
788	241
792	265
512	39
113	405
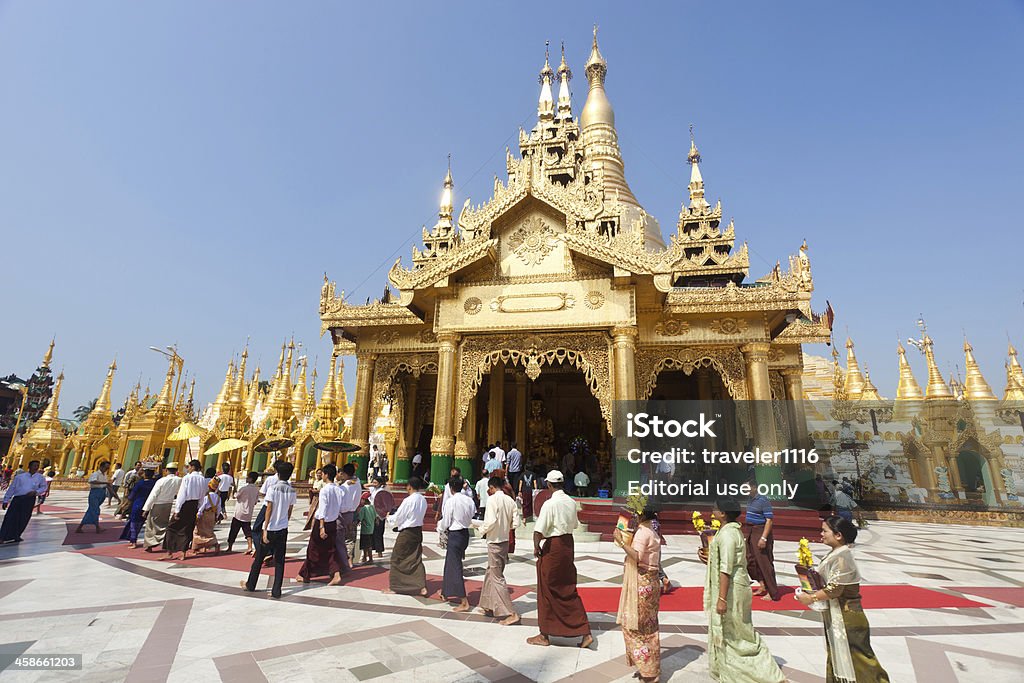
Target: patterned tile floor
145	620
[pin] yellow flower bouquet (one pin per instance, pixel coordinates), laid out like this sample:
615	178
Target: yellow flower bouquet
810	579
703	530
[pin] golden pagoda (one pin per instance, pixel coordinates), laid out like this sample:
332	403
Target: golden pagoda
97	438
144	429
532	313
45	439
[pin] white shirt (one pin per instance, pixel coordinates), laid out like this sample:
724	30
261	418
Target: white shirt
193	487
329	506
457	513
118	477
410	513
466	490
350	495
268	482
502	515
163	493
581	479
226	482
557	516
283	498
97	478
500	452
210	500
245	502
417	459
481	491
26	483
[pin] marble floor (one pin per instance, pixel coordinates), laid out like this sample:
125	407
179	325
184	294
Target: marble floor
133	617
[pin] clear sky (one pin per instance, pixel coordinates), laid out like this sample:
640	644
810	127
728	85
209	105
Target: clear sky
185	172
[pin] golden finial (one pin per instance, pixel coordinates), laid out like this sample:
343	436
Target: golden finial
445	212
854	379
48	356
596	66
103	402
975	386
908	388
693	156
225	388
937	388
1015	367
545	104
870	392
1014	389
564	96
166	393
52	412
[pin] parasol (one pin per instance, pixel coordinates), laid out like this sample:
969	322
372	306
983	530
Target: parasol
184	432
383	503
225	445
273	445
336	446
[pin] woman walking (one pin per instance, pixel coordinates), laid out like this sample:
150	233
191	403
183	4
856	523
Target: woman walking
735	651
847	634
204	538
641	592
137	498
98	486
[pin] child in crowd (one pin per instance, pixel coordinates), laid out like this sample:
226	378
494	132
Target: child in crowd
366	516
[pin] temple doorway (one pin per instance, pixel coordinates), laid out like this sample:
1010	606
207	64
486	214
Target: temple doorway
975	477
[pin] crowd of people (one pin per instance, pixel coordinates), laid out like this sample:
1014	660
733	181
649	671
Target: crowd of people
179	514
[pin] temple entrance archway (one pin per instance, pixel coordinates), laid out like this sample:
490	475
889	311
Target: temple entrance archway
975	477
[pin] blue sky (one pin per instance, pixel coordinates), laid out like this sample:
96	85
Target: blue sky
185	172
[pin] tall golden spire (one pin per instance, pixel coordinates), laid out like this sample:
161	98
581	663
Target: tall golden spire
225	389
908	388
854	379
51	415
546	104
975	386
238	391
329	395
103	401
1014	389
1014	366
299	391
564	96
253	394
48	356
339	389
696	187
445	211
166	394
870	392
937	388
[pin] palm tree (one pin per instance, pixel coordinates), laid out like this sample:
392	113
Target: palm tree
82	412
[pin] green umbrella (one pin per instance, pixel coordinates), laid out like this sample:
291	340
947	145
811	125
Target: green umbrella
273	445
336	446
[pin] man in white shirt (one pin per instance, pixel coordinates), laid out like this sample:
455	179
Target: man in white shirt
19	499
183	513
115	483
456	518
157	508
321	554
407	573
279	504
501	517
227	482
482	487
500	453
560	610
350	491
417	464
466	490
582	482
245	503
269	481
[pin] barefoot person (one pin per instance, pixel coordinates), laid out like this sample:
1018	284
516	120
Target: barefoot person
182	526
761	544
847	635
736	652
19	499
407	573
204	538
157	508
500	521
99	482
321	554
456	518
641	593
278	506
136	499
241	519
560	610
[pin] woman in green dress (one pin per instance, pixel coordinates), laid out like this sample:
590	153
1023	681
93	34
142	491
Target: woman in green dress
850	657
736	653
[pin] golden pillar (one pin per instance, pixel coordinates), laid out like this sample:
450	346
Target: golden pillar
797	409
704	394
365	363
442	445
521	410
470	432
624	386
760	393
496	404
407	448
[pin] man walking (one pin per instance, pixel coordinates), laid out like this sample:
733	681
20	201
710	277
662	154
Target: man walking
515	467
227	482
183	514
19	499
350	492
157	508
501	517
761	544
407	574
241	520
560	610
321	554
280	502
116	481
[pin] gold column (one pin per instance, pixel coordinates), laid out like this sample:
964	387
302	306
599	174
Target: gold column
955	485
521	409
365	363
442	445
471	429
496	404
704	394
797	409
624	386
759	386
412	389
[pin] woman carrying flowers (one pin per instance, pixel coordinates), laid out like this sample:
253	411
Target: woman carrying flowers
850	657
641	592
